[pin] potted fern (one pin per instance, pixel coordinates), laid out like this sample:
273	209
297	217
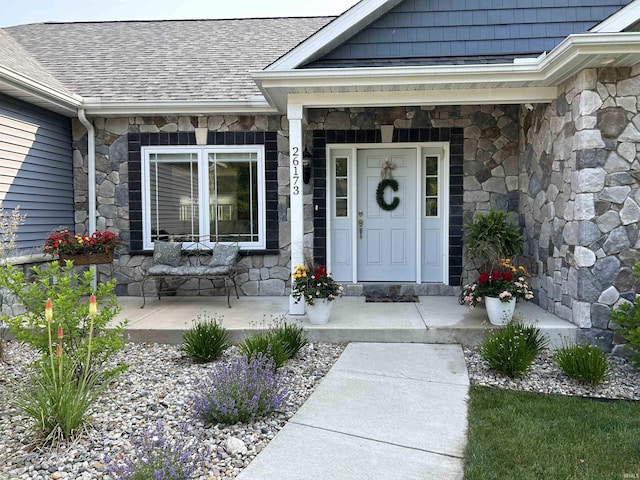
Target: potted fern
492	239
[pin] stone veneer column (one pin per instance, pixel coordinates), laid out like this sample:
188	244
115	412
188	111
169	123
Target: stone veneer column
579	181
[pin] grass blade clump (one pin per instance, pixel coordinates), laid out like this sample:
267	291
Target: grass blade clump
585	363
511	349
240	391
292	336
265	344
207	340
280	342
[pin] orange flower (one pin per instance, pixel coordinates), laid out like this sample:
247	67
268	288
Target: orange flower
93	307
48	310
59	331
58	351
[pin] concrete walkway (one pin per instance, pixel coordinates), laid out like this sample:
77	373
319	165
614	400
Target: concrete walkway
390	411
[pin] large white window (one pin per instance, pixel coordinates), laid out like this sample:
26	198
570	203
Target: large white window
204	194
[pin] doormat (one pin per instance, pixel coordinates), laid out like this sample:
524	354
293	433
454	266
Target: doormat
392	298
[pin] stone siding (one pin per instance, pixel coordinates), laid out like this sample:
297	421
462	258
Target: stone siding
490	174
265	273
580	198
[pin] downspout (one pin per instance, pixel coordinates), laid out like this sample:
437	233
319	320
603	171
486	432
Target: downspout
91	167
91	183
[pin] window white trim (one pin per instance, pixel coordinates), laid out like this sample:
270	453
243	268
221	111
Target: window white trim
202	155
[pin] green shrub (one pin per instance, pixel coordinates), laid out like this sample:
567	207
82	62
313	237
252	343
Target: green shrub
292	336
586	363
512	348
69	290
627	317
207	340
266	344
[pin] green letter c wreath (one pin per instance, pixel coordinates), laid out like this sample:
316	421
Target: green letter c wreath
384	183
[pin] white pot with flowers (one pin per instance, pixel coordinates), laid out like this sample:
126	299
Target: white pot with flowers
499	288
318	289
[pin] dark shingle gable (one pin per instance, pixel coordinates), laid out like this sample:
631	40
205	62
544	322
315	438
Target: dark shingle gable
459	31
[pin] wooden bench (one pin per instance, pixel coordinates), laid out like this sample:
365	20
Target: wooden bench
171	262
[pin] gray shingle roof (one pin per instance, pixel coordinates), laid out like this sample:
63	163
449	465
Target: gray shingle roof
163	60
16	58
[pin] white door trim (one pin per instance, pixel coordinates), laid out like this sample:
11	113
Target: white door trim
420	148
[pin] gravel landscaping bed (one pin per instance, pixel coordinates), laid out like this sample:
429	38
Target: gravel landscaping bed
622	382
160	381
157	385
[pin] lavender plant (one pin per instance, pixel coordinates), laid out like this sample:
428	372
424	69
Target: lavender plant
160	455
241	390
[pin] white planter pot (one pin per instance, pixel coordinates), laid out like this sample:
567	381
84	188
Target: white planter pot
500	313
319	312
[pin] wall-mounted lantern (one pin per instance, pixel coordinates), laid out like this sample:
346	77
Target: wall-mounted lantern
307	159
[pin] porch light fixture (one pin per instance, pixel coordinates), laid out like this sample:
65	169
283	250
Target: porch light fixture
306	165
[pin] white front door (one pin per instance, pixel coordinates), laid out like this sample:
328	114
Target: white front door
386	238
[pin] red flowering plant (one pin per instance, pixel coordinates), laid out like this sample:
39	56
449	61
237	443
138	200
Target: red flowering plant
312	283
66	243
504	282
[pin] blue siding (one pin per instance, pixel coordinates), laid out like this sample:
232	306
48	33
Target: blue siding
36	170
461	31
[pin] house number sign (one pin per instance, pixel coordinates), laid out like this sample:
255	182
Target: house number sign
295	168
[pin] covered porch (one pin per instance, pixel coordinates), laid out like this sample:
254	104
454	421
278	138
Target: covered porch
434	319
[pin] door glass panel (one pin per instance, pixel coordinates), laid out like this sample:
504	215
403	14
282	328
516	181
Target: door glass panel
341	179
431	186
341	207
173	182
431	166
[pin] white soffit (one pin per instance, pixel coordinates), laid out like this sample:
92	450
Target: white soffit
619	21
574	54
30	91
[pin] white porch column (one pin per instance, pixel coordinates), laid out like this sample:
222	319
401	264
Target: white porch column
295	115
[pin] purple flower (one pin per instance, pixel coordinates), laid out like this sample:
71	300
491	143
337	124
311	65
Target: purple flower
240	391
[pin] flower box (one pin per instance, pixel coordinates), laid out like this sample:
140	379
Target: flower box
88	258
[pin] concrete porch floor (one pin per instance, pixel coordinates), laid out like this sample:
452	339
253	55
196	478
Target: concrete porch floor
434	319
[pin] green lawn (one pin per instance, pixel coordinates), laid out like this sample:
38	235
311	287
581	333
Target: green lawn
518	435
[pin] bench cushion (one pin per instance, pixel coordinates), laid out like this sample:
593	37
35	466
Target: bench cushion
223	255
167	253
189	270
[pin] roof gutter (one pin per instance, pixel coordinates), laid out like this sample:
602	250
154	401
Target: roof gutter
68	102
575	53
254	106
